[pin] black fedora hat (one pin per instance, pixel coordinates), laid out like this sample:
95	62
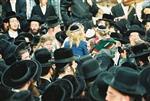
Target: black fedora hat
52	21
89	68
19	73
61	36
105	61
11	14
140	50
145	79
135	28
146	19
67	85
118	37
54	92
7	49
82	85
98	89
107	17
3	65
20	47
63	56
125	80
75	83
43	56
35	18
24	37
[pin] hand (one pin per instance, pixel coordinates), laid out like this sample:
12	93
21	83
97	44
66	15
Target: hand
119	18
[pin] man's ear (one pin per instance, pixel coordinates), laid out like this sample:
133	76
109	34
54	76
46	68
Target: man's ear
127	98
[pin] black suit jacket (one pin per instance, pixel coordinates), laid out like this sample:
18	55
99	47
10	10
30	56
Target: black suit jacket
50	11
20	8
80	11
117	11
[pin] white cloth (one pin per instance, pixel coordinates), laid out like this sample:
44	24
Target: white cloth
13	5
43	8
29	5
13	34
125	9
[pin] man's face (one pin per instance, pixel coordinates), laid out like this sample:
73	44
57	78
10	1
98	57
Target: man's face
13	24
25	56
134	37
147	26
43	2
114	95
34	27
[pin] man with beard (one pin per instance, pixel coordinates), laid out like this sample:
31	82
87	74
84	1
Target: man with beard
34	25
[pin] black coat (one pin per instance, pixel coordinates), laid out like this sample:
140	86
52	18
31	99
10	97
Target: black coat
80	11
20	8
117	11
50	11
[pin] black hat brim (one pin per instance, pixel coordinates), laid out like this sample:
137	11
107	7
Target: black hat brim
145	78
13	16
111	82
140	54
7	79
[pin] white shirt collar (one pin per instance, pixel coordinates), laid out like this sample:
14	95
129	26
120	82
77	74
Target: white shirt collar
13	5
43	8
125	9
13	34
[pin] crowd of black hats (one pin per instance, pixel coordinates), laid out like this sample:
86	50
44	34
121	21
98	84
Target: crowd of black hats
89	76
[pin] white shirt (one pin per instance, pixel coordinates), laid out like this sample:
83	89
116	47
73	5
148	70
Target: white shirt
125	9
13	34
43	8
29	6
13	5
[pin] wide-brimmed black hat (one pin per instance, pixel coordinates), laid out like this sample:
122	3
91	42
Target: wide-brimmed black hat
145	79
118	37
24	37
19	73
82	85
63	56
107	17
52	21
54	92
140	50
105	61
43	56
61	36
135	28
98	89
35	18
89	68
8	49
3	65
67	85
125	80
146	19
75	83
9	15
11	53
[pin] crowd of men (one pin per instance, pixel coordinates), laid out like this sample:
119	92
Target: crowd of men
72	50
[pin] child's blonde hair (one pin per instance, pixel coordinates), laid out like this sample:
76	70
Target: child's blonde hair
44	39
76	33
